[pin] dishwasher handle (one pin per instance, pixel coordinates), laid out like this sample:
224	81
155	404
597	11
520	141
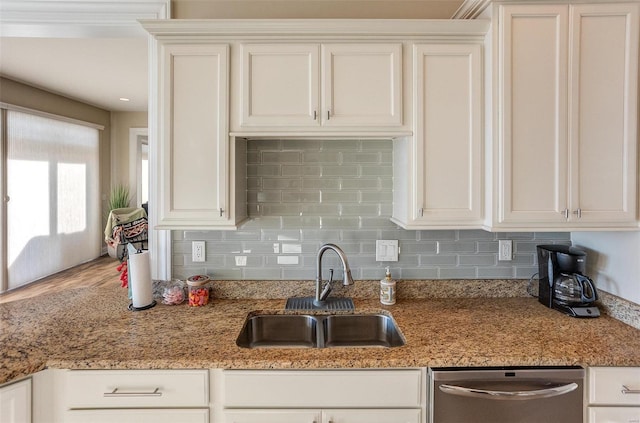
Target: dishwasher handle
509	395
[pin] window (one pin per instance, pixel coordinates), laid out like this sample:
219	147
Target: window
53	212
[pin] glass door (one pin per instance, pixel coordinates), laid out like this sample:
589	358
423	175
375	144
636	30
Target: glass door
52	196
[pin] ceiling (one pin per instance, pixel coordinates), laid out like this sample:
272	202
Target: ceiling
100	55
97	71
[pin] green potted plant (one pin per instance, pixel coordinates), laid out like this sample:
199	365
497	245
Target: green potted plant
120	197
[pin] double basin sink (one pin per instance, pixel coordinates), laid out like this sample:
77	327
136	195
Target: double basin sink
319	331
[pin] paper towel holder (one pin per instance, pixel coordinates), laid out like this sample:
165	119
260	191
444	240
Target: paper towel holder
140	282
147	307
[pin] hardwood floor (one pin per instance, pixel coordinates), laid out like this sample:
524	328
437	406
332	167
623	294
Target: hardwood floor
98	272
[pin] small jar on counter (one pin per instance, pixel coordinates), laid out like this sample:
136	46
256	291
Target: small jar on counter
198	290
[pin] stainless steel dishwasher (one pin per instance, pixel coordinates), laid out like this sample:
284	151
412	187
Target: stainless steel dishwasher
506	395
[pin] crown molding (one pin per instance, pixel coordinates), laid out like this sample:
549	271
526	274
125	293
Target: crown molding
471	9
325	28
79	18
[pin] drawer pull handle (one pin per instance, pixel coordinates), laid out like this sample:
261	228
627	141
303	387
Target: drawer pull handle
625	390
116	394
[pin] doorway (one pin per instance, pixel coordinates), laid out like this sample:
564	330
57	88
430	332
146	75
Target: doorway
139	165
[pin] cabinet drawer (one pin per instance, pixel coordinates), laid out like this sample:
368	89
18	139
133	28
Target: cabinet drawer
272	416
137	388
322	388
614	414
614	385
137	416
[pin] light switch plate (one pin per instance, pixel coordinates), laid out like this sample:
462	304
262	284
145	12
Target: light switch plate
387	250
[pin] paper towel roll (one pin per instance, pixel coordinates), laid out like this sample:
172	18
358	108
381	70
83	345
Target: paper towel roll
139	269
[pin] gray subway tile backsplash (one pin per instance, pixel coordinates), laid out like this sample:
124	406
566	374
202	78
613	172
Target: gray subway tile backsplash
304	193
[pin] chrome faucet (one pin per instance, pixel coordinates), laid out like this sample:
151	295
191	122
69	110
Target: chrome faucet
347	279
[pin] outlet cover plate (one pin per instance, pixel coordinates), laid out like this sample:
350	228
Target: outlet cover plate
505	250
198	252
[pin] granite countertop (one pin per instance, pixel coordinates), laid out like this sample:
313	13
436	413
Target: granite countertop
93	329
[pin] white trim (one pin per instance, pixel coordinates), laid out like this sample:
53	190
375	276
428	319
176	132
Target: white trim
134	158
4	278
50	116
159	240
471	9
79	18
325	28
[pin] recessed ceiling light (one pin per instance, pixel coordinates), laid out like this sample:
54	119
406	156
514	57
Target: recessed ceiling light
124	99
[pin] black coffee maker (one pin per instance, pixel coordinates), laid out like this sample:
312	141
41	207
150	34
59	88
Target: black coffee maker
562	283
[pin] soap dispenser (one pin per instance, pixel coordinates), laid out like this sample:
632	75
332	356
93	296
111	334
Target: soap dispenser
387	289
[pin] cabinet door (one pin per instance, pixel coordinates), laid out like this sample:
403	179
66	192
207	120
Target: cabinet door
272	416
15	402
138	416
280	85
361	84
371	416
448	136
614	414
193	138
532	145
603	104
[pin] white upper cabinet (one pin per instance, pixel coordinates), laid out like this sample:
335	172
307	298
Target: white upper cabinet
194	150
565	152
314	86
361	85
438	172
603	137
280	84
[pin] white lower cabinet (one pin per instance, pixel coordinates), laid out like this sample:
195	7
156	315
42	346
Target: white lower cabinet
371	416
614	395
323	416
272	416
15	402
140	396
614	414
323	396
138	416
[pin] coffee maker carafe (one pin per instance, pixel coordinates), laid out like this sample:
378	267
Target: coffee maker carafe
562	282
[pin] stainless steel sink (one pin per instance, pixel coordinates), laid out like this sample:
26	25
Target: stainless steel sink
357	330
272	330
319	331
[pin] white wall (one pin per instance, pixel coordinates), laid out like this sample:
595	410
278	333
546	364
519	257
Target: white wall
613	261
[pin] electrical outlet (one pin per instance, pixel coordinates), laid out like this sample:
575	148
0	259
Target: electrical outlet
198	253
505	250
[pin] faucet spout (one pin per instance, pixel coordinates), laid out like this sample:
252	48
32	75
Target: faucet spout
322	294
